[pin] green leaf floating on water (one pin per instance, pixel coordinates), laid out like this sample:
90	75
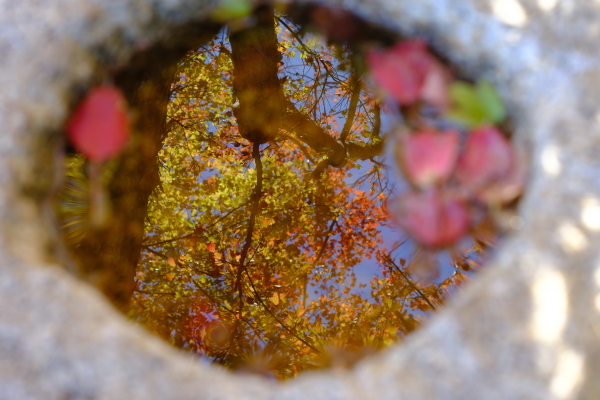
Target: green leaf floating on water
475	105
491	102
232	9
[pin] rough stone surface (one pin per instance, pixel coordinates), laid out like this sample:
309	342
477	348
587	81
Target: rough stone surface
529	328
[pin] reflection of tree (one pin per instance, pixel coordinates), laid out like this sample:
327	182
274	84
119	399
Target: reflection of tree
265	239
251	247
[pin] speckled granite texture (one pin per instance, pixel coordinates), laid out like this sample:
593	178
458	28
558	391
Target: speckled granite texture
529	328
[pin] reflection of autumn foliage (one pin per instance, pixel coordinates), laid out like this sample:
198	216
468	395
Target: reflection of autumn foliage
276	290
273	198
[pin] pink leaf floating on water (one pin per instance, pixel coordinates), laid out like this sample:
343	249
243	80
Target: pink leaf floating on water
432	218
487	157
504	190
428	157
402	70
436	86
99	127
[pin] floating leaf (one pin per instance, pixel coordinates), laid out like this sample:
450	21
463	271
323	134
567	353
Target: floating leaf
170	276
401	71
505	189
171	261
487	157
436	86
99	127
473	106
491	102
431	218
428	157
466	108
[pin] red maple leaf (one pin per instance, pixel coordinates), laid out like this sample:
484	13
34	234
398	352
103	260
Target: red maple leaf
487	157
99	127
432	218
401	70
428	157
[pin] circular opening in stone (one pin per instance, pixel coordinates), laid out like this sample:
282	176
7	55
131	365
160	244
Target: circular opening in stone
278	208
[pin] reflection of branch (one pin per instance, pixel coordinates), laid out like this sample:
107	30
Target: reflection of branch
377	123
254	212
317	258
180	123
319	140
306	48
196	163
313	135
296	36
316	173
227	214
223	49
300	146
251	222
154	293
391	262
169	240
358	152
206	228
157	253
279	321
177	262
198	286
355	83
325	241
314	55
220	304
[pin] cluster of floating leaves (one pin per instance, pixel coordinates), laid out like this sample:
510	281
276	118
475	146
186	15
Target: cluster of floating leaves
456	172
